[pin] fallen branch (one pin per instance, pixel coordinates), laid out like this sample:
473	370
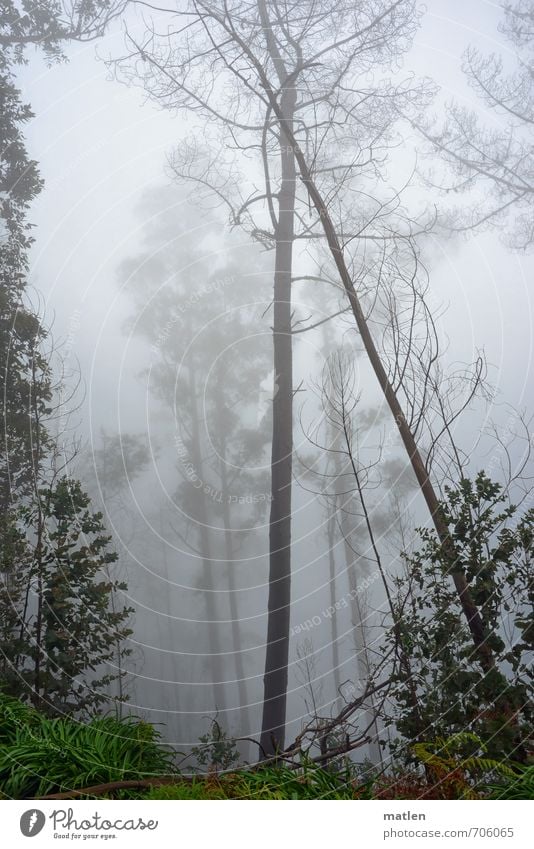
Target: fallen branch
112	786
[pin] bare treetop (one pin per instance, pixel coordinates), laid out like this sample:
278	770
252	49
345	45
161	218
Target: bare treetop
228	64
492	156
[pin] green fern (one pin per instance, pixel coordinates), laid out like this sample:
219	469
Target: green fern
446	758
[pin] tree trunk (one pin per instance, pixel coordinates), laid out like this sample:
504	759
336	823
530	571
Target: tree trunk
277	655
234	611
38	698
356	610
202	519
470	610
331	536
171	701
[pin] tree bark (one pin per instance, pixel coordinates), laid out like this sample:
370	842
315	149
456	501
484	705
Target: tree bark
277	655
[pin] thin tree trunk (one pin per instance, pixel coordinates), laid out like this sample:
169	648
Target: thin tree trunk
277	655
36	698
331	537
234	612
118	653
37	674
357	613
202	520
178	700
470	610
402	655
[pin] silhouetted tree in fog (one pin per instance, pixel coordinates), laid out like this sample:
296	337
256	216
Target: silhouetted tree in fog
36	609
262	79
210	359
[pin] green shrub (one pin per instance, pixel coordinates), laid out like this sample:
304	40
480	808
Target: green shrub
519	787
195	789
460	764
264	783
217	751
39	755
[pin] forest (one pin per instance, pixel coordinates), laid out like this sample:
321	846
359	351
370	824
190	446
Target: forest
266	478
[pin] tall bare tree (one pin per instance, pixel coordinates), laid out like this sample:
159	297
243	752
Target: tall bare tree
260	78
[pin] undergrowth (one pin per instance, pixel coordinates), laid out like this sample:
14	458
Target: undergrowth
40	756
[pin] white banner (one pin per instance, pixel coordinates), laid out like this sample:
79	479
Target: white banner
253	825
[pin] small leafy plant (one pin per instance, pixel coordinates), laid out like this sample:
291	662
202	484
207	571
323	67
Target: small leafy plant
217	751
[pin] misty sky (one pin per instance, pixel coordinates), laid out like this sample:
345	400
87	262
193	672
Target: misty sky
100	148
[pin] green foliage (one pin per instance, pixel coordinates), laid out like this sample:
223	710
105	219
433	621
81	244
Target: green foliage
50	24
15	565
197	789
460	761
263	783
520	786
80	630
494	549
39	755
25	379
59	627
217	751
21	334
25	374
